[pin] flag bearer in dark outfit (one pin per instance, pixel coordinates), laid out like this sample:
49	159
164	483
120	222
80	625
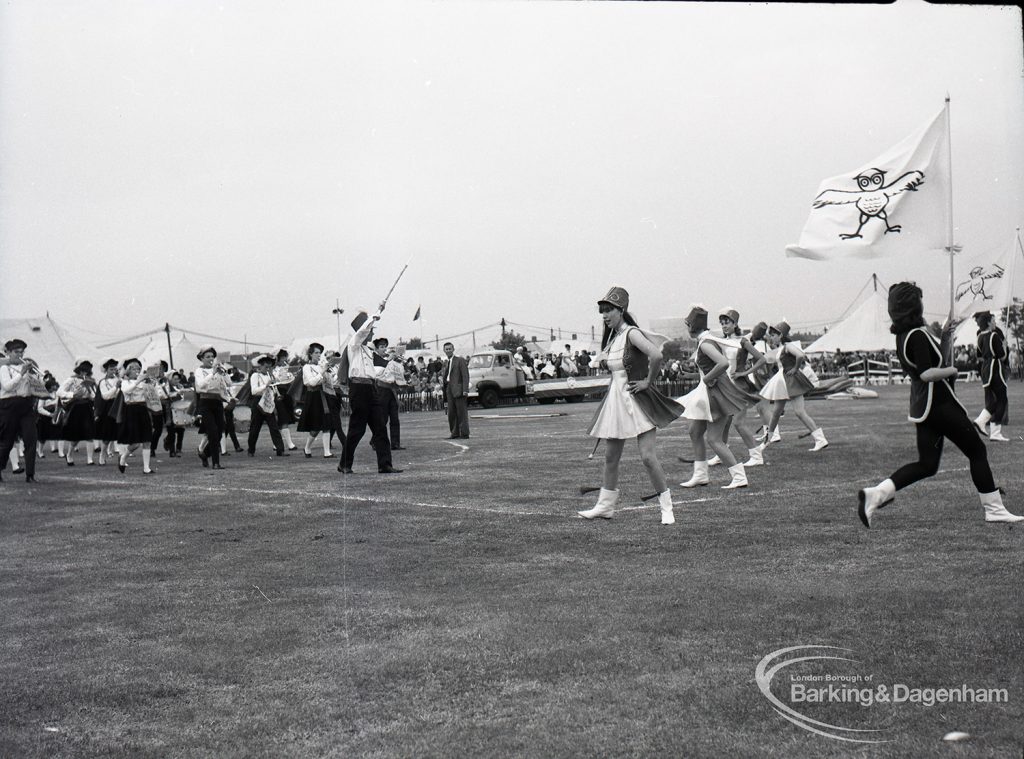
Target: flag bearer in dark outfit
992	355
935	410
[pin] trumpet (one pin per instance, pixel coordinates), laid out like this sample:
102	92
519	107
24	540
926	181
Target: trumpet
30	365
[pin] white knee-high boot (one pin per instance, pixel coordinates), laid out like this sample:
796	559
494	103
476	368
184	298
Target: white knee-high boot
994	509
147	456
819	440
286	434
700	475
326	437
982	420
605	505
872	499
665	502
756	456
996	433
739	478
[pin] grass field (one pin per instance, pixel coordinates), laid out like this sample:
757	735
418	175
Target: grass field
460	609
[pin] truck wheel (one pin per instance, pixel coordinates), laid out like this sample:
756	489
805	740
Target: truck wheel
573	398
489	398
545	401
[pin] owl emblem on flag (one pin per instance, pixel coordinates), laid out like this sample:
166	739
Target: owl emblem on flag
871	198
974	288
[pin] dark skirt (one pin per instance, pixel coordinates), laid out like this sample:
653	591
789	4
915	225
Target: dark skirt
728	398
314	418
797	384
78	424
45	429
137	426
106	429
659	408
285	409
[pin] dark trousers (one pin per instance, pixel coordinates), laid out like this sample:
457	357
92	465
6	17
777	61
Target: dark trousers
259	416
389	407
212	411
158	428
995	401
946	420
175	437
366	410
458	415
18	419
229	428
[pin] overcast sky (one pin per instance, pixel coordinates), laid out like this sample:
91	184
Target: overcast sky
235	167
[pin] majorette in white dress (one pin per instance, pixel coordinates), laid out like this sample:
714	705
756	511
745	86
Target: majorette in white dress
622	414
782	387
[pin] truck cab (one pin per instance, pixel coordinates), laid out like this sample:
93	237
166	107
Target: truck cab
494	376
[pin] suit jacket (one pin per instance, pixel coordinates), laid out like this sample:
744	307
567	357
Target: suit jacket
458	385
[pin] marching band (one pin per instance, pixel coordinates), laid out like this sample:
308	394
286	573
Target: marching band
129	408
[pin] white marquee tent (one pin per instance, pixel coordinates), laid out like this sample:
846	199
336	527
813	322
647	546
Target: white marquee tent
53	346
866	329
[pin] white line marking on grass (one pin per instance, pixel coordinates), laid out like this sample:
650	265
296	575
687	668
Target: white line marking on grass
457	445
339	496
515	416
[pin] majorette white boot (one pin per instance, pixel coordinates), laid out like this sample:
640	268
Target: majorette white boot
996	434
739	478
819	440
981	421
872	499
700	475
665	502
756	456
714	461
605	505
994	509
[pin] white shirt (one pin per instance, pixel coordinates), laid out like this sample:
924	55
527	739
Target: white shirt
283	375
262	386
10	379
360	357
211	381
109	387
136	390
394	372
313	374
71	386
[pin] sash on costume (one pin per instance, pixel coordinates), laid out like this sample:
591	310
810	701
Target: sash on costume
116	409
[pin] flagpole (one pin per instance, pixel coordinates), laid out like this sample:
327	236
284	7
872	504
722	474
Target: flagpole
1009	286
949	231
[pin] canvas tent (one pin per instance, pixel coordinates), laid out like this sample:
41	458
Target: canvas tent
183	349
53	346
866	329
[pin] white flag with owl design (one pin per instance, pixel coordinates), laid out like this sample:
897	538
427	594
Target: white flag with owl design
984	284
895	204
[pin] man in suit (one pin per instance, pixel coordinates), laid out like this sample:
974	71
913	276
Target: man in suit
456	386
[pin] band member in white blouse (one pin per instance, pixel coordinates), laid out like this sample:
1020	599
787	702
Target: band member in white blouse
45	409
18	406
316	417
106	425
263	402
77	396
136	427
211	386
283	377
